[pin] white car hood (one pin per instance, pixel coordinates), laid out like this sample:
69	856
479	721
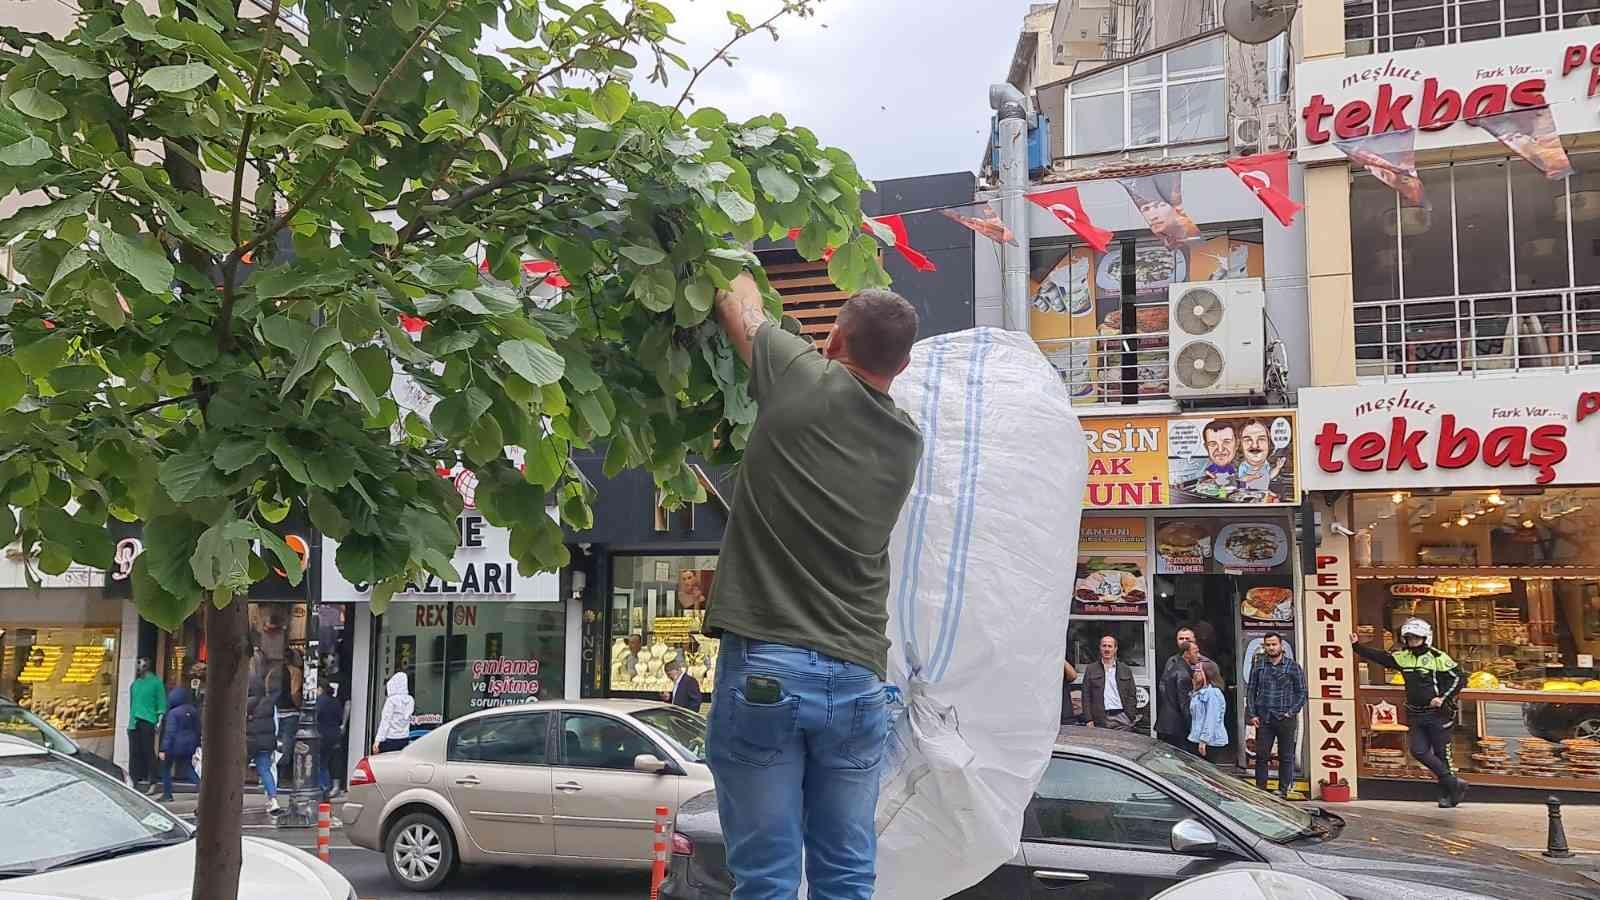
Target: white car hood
271	871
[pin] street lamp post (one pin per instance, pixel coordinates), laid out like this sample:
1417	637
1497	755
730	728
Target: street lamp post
306	790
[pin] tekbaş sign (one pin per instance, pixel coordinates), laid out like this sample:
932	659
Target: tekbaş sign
1439	90
1527	430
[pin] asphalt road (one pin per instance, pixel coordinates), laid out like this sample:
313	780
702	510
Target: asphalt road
368	875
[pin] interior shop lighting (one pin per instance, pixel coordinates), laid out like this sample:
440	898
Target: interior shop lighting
1397	498
1527	523
1463	521
1496	500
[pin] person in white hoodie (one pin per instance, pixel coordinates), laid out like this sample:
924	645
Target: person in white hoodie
394	725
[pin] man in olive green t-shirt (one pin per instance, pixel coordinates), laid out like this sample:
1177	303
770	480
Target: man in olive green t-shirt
798	717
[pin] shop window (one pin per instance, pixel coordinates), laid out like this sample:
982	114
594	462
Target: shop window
465	657
1491	277
1509	582
1385	26
657	610
601	742
66	676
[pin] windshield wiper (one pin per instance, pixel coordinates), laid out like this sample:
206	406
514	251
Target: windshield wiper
114	851
17	871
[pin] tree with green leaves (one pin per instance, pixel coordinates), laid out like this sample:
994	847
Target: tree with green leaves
227	214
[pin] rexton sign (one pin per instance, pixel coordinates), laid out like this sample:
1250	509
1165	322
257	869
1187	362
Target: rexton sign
1527	430
1439	90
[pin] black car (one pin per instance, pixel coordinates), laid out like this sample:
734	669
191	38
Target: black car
19	720
1560	721
1121	817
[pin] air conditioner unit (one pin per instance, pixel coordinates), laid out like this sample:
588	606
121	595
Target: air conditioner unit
1216	338
1269	128
1246	133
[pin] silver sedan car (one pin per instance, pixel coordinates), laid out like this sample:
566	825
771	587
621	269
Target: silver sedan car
554	783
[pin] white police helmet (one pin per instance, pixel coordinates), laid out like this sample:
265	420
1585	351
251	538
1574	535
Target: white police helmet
1419	628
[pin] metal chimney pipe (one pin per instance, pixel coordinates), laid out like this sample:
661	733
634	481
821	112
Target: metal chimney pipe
1013	117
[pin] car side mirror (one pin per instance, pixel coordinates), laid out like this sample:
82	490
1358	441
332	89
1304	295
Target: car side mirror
649	762
1191	836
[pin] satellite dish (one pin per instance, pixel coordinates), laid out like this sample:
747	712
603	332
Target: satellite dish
1257	21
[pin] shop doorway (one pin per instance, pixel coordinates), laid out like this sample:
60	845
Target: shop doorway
1209	604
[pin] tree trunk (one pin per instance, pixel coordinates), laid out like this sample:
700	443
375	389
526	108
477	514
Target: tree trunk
219	849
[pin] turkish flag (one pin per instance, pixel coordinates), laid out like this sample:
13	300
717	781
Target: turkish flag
536	267
1065	205
1267	176
896	225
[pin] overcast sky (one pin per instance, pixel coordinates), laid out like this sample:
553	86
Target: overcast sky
901	85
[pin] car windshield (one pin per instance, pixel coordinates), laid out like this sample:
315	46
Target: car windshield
72	813
683	729
1256	810
14	719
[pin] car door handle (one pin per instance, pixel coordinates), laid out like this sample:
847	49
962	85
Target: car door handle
569	786
1061	876
469	781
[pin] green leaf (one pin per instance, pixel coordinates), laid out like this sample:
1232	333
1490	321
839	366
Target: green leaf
67	64
594	413
735	206
375	366
462	68
440	565
485	441
177	79
656	288
644	256
454	416
438	119
104	303
383	233
700	293
611	102
580	371
756	138
191	476
405	15
273	510
219	561
157	605
169	543
140	258
327	518
370	558
350	376
284	281
310	357
331	467
12	383
288	560
285	333
87	542
76	378
536	363
289	457
31	101
39	357
24	153
197	348
43	218
8	524
235	453
778	185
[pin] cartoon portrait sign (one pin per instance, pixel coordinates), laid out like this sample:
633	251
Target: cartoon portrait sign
1232	459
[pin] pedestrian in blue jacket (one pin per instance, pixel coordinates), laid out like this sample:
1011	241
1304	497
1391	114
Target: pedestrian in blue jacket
1208	710
180	737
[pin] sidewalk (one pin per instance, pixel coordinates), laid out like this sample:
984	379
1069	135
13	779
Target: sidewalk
1516	826
256	820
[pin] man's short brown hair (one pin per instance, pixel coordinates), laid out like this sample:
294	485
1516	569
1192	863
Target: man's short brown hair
879	327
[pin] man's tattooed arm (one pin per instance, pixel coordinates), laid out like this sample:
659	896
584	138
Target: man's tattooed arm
741	313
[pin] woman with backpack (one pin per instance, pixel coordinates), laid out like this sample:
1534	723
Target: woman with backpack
261	732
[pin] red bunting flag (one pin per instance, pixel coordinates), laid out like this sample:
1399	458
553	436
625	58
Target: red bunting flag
1267	176
896	228
982	219
413	324
536	267
1065	205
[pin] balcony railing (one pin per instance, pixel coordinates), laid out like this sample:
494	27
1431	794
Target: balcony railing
1383	26
1477	334
1112	369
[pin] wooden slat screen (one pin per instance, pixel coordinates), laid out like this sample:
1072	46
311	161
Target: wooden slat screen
808	295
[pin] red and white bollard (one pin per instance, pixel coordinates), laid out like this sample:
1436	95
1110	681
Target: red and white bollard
324	829
658	868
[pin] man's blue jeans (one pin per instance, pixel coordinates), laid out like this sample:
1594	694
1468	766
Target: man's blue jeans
798	777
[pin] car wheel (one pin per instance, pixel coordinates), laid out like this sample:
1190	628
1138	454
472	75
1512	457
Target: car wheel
420	852
1588	729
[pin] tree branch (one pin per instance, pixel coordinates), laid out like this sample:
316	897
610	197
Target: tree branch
451	204
267	49
147	407
721	53
316	187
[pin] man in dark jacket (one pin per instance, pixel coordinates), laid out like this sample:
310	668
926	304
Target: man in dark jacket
685	689
1433	681
1172	693
1110	701
180	737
